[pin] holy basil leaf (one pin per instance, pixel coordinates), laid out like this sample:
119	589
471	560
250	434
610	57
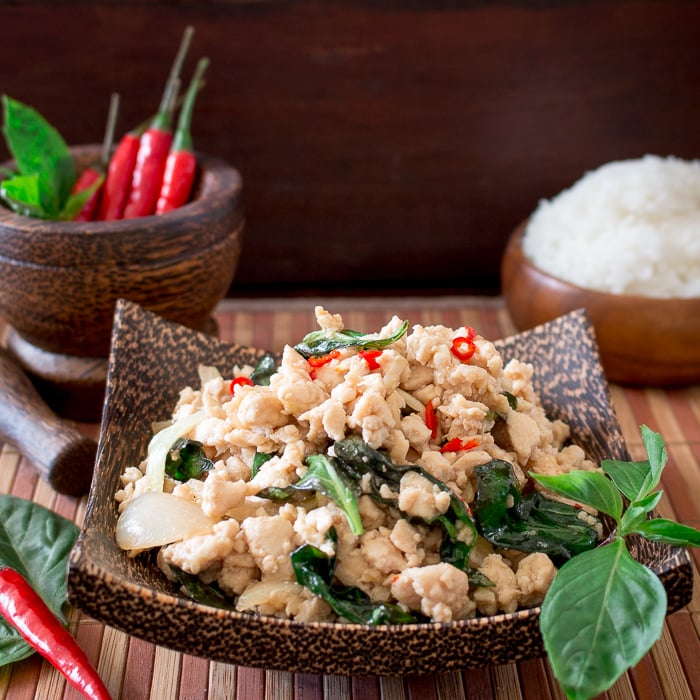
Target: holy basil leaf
592	488
314	570
628	477
36	542
186	460
207	594
357	459
264	369
638	512
668	531
323	477
589	634
322	342
530	522
260	459
22	194
38	149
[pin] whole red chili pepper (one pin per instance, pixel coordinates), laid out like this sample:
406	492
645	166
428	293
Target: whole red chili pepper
96	172
24	609
154	146
181	164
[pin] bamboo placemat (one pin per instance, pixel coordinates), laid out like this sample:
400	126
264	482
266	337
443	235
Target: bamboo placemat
135	670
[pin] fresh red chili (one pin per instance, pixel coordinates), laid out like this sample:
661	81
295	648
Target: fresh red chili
154	146
463	348
459	445
239	381
94	175
431	419
181	164
370	357
24	609
323	359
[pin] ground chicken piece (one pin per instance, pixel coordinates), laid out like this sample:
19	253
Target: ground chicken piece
219	495
326	420
418	377
293	386
504	593
372	415
416	431
534	575
270	541
381	552
398	446
523	434
461	417
422	498
373	516
196	554
437	464
394	367
260	408
438	591
281	470
407	538
312	528
237	572
327	320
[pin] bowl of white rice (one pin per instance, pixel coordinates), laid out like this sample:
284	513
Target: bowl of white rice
624	243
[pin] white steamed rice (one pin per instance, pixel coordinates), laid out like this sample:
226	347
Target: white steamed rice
629	227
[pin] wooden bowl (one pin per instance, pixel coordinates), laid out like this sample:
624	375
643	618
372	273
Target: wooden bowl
152	360
60	280
642	341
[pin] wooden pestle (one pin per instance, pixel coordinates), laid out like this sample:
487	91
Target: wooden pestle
62	454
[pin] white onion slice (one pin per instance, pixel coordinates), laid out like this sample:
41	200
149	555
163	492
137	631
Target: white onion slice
411	401
207	373
154	519
275	593
160	445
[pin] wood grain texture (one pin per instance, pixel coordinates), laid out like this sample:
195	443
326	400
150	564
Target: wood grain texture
388	145
129	665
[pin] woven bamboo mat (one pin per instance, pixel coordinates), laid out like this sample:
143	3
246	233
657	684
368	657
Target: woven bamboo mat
134	670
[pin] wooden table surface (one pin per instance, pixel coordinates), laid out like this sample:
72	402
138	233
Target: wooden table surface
133	669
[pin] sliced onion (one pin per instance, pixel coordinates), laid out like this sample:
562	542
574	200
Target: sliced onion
411	401
207	373
160	445
154	519
274	593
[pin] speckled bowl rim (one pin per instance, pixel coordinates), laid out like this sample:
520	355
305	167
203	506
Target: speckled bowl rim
105	584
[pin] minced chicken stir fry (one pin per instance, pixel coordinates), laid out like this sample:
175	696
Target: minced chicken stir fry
378	478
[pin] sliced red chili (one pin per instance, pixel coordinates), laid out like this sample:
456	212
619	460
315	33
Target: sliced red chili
239	381
323	359
463	348
431	419
370	357
459	445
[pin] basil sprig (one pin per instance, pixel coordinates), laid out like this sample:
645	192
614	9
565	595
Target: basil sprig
605	610
318	343
41	187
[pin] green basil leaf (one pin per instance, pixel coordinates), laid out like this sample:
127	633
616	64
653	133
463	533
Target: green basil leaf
21	193
314	570
638	512
629	477
323	477
186	460
670	532
589	488
318	343
527	522
38	148
656	453
264	369
36	543
258	460
601	615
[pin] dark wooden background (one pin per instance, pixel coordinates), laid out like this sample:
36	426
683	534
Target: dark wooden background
385	146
